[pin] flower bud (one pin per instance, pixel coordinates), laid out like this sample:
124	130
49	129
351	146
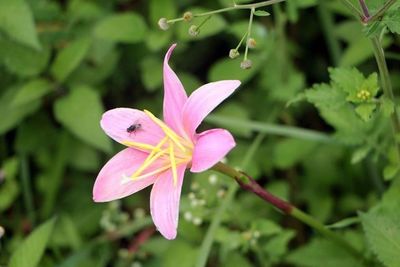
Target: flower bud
251	43
246	64
163	24
194	30
233	53
187	16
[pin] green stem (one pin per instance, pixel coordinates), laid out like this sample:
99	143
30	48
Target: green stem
27	189
248	183
387	87
354	10
234	7
249	33
328	27
216	221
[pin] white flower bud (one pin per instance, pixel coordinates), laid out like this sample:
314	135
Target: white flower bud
246	64
163	24
233	53
251	43
194	30
187	16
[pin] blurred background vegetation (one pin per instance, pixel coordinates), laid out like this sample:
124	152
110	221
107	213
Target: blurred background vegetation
63	63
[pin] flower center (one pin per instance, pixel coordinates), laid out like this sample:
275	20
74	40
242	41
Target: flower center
171	151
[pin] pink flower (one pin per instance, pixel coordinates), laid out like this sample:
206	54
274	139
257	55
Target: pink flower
158	152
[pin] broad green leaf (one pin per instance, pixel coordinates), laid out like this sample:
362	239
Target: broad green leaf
80	112
14	114
235	260
277	246
16	20
22	60
69	58
151	72
125	28
322	251
29	253
31	91
383	236
291	151
182	250
392	21
157	40
214	25
261	13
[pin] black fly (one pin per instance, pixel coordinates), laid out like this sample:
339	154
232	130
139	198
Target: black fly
133	128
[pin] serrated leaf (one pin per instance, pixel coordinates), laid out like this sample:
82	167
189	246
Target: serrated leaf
69	58
80	112
383	236
261	13
16	20
365	111
392	20
29	253
125	28
31	91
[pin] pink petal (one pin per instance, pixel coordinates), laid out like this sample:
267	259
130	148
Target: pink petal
174	95
204	100
164	202
110	183
211	147
116	122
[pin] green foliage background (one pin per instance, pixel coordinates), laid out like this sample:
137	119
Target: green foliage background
63	63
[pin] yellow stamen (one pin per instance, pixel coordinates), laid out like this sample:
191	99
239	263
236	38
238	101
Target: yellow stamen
158	146
149	160
173	163
137	145
170	133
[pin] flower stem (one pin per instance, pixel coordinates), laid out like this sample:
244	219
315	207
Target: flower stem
234	7
384	72
248	183
249	33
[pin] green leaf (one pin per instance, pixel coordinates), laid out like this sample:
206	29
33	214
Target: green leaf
277	246
261	13
29	253
182	250
392	20
161	9
390	171
322	251
235	260
291	151
22	60
365	111
125	28
151	72
383	236
9	188
31	91
360	154
80	112
15	114
16	20
69	58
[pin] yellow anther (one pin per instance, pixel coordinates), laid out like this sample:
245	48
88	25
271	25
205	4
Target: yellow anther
173	163
170	133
